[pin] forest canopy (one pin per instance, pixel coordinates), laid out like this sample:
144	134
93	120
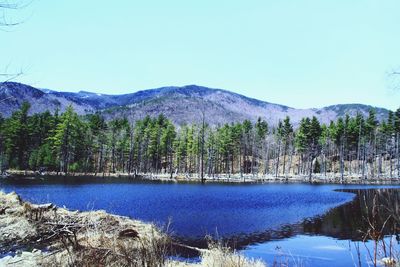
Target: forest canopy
67	142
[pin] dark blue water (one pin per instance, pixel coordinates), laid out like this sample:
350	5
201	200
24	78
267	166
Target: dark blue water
197	210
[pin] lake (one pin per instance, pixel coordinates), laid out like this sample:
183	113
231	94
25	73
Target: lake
315	225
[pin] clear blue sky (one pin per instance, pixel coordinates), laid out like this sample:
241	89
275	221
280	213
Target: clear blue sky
302	53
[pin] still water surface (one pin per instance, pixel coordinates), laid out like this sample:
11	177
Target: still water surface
298	222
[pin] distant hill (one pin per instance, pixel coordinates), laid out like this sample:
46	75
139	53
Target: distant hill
12	95
181	104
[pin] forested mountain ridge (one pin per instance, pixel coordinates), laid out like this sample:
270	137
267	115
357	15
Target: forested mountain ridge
12	95
181	104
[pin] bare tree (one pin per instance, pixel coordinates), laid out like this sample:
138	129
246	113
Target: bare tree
5	7
5	23
202	145
393	80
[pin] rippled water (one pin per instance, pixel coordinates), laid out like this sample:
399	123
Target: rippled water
195	210
254	215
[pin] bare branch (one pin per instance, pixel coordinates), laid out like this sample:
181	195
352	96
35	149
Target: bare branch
7	5
10	76
4	23
14	5
393	80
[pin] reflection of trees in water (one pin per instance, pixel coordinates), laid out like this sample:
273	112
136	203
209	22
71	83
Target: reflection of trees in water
372	208
348	222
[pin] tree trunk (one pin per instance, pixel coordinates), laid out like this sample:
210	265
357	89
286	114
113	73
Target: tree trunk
398	156
341	164
363	161
277	161
284	158
311	168
290	159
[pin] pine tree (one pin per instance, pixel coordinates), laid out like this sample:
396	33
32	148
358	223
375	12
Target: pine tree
286	132
65	139
97	141
69	143
2	154
397	138
301	141
168	136
313	142
16	135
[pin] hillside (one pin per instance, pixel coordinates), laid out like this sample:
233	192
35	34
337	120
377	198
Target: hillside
12	95
181	104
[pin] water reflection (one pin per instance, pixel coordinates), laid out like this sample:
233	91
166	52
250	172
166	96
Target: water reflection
378	208
263	213
372	208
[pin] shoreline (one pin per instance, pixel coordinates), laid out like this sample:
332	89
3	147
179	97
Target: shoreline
55	254
221	179
47	235
44	234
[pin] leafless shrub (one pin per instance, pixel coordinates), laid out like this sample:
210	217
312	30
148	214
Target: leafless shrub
382	220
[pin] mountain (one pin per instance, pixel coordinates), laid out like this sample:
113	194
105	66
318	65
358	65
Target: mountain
12	95
181	104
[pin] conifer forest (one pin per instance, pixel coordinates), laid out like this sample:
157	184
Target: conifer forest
66	142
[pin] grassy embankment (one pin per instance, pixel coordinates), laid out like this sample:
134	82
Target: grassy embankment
46	235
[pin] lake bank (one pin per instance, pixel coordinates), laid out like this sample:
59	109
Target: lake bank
194	178
252	216
46	235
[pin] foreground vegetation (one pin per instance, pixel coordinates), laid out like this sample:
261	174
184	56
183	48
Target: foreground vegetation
63	238
46	235
351	146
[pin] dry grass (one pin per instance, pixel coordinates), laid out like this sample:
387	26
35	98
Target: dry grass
114	251
219	255
77	238
93	239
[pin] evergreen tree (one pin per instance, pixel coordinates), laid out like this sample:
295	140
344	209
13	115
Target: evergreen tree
167	141
70	143
65	138
285	131
16	135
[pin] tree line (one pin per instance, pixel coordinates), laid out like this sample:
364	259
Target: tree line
353	146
